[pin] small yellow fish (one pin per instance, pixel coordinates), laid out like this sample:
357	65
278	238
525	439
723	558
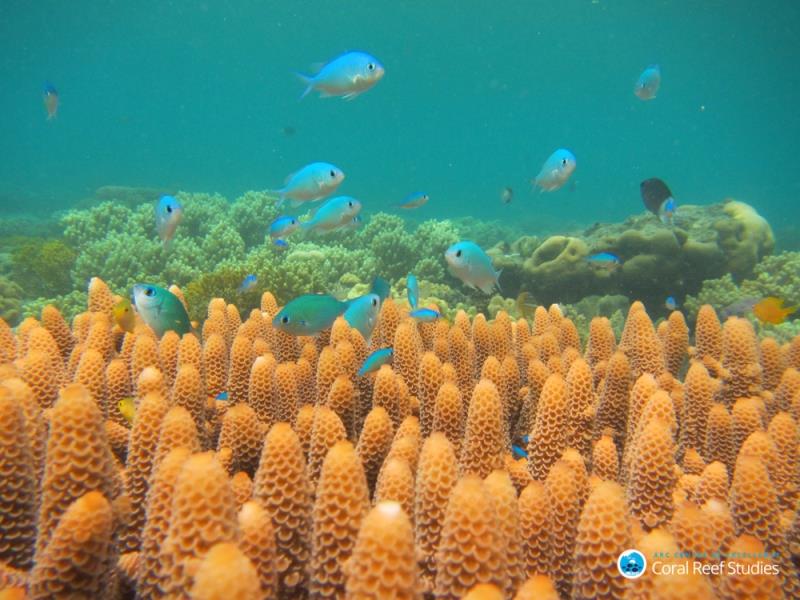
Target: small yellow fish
526	311
127	409
771	310
124	315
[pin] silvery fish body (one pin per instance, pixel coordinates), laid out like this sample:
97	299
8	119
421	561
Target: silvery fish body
160	309
346	76
556	170
313	182
467	261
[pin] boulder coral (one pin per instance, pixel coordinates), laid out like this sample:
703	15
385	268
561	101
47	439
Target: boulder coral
310	481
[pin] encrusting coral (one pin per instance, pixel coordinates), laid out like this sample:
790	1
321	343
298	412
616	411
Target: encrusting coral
309	480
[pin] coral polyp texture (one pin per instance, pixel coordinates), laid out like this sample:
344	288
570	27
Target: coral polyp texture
496	458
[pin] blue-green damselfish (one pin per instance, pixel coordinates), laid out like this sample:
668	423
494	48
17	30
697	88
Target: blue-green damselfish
161	309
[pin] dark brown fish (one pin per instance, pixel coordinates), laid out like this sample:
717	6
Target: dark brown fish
654	193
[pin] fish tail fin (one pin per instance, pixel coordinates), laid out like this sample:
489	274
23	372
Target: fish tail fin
497	281
309	83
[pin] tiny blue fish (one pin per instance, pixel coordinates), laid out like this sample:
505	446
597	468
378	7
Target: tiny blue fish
50	97
313	182
425	314
222	396
362	313
670	303
248	284
308	314
381	287
519	452
169	213
282	244
414	200
648	83
668	211
346	76
467	261
283	227
604	260
335	213
556	170
375	361
412	286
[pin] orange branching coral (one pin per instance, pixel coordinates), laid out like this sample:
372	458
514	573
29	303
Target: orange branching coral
676	342
501	490
34	422
189	353
581	405
168	348
36	370
462	356
77	562
341	504
141	452
534	528
326	431
430	380
117	386
226	573
708	338
605	460
8	343
215	364
382	564
436	477
240	364
563	498
612	408
643	347
536	375
78	460
258	544
753	575
537	587
242	487
396	483
282	487
787	389
188	393
548	436
17	485
719	436
772	363
203	514
243	433
470	548
100	297
386	394
406	353
260	389
58	328
303	425
713	482
328	369
342	400
177	430
784	433
482	338
741	374
388	320
374	442
699	391
286	396
652	475
484	442
145	354
449	414
603	534
746	417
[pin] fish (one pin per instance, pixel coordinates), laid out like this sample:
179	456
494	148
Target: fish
127	408
381	287
525	310
169	213
556	170
160	309
648	83
346	76
469	263
739	308
362	314
354	223
282	244
506	195
282	227
412	288
314	181
375	361
124	316
425	315
771	310
414	200
518	447
50	98
308	314
222	396
333	214
288	130
248	284
658	199
670	303
604	260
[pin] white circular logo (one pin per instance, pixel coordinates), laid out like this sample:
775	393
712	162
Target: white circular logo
631	564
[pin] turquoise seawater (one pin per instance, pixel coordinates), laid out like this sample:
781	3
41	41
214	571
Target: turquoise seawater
198	95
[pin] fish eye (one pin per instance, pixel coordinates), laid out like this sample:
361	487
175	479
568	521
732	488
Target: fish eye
374	302
371	66
458	253
169	208
563	162
150	292
333	174
350	203
284	319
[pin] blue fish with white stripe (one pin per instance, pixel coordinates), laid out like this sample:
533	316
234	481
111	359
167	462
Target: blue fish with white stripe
375	361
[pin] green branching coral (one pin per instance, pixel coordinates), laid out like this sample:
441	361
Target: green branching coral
42	266
69	305
252	213
223	283
10	301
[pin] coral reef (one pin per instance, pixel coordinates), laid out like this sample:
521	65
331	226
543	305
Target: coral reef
311	480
